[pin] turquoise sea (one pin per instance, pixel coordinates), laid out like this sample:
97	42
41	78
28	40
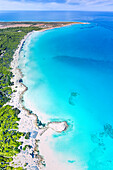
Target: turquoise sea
69	75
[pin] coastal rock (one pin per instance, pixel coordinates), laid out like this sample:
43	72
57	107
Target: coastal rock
58	126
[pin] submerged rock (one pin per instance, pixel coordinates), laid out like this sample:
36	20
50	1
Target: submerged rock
71	161
108	130
95	139
72	98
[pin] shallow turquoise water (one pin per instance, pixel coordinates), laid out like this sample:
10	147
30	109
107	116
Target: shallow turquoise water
60	63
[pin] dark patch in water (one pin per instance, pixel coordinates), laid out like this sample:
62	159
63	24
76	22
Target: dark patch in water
86	27
108	130
71	161
72	98
96	155
84	62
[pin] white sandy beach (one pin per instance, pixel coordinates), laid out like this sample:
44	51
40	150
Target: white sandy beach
28	123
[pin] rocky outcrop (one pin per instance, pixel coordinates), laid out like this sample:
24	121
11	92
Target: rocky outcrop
58	126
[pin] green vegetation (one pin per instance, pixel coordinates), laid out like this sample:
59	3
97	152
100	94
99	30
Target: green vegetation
9	135
27	146
9	40
27	136
25	164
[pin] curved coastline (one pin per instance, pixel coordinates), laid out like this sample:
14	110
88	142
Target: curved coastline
28	120
45	131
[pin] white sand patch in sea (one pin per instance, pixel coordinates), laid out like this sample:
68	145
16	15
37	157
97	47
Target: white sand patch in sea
53	159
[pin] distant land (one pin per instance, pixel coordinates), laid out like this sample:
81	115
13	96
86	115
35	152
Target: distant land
35	24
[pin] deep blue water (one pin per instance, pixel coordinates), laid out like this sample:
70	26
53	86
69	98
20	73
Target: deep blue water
60	63
102	18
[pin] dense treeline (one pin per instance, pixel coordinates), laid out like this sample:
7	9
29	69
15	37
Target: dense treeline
9	40
9	135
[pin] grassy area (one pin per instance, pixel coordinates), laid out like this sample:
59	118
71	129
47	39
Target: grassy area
9	135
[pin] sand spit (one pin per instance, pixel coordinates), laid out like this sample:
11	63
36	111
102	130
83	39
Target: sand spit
44	25
55	126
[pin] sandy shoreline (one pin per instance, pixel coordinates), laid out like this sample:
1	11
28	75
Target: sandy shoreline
40	136
28	121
